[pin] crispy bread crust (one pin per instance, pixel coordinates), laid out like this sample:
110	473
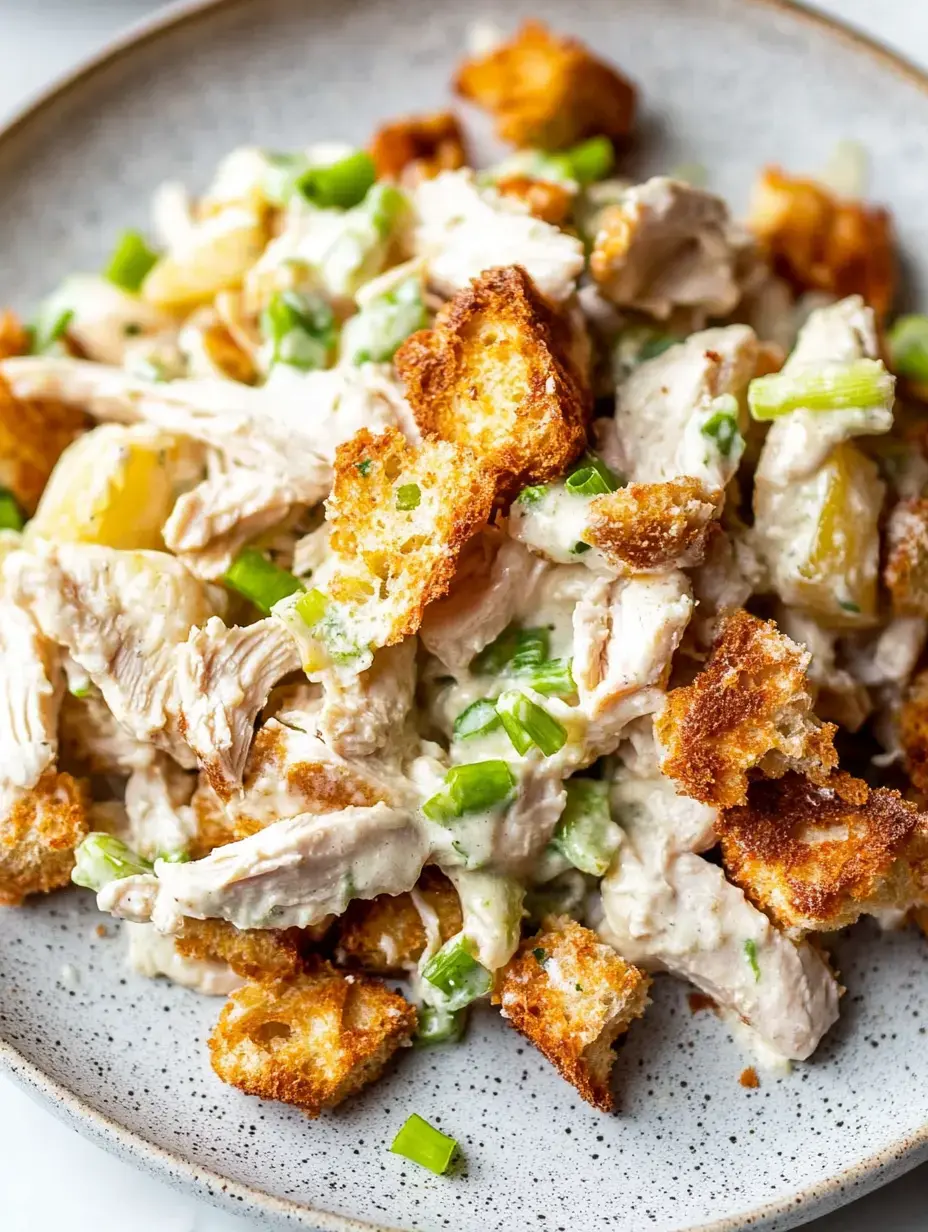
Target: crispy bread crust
38	837
385	935
651	527
418	147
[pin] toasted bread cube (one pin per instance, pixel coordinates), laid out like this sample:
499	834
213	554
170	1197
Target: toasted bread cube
38	837
548	91
311	1040
552	203
495	373
913	731
14	338
905	573
386	935
819	243
253	953
419	147
815	857
750	707
32	437
393	561
572	996
653	527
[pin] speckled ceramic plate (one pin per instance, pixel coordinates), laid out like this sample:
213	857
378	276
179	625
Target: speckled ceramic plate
726	84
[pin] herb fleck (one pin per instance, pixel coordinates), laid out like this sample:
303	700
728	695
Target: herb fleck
364	468
750	950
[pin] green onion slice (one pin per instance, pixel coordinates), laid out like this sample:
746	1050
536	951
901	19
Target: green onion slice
908	347
102	858
425	1145
553	678
471	788
11	516
589	161
824	387
49	328
408	497
527	646
586	835
301	330
384	204
130	262
479	719
374	335
439	1026
592	478
722	425
750	953
533	495
527	723
457	974
532	650
311	607
341	184
260	580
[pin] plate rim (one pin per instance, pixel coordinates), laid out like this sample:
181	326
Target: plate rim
871	1173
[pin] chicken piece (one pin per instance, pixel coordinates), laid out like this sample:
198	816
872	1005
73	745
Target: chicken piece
32	437
820	243
817	857
105	322
462	230
544	200
40	828
668	909
14	337
572	997
364	713
419	147
31	689
905	572
161	825
311	1040
210	524
496	578
495	374
223	679
399	518
547	91
388	935
665	410
654	527
729	575
255	954
839	694
121	617
91	742
668	247
750	707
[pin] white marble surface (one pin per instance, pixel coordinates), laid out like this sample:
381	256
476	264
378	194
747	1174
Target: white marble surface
50	1179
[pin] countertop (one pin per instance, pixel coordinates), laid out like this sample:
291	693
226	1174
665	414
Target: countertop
50	1179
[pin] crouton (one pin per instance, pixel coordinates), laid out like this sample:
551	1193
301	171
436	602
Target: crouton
905	572
14	337
815	857
819	243
419	147
254	953
552	203
749	707
572	996
652	527
214	827
400	516
38	836
32	437
387	935
548	91
311	1040
494	373
913	731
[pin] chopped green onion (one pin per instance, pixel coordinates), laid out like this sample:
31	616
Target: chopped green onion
479	719
527	723
656	346
375	333
722	425
301	330
580	548
589	161
592	478
49	328
364	468
824	387
384	203
11	516
408	497
311	607
553	678
586	834
540	956
532	495
527	646
425	1145
908	347
260	580
174	857
457	974
847	606
472	788
81	691
532	650
341	184
130	262
283	171
102	858
750	951
439	1026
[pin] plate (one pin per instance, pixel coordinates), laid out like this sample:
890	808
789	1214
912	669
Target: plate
727	85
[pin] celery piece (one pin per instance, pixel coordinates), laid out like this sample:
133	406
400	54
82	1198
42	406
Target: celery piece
861	383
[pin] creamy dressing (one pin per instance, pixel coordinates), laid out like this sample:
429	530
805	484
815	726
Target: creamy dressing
554	525
491	909
152	954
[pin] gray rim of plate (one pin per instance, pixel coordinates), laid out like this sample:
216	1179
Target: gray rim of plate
245	1199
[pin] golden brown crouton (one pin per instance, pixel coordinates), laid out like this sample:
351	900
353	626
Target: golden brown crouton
38	837
818	243
419	147
214	827
400	516
254	953
544	199
548	91
815	857
311	1040
905	573
14	338
572	996
913	731
494	373
384	935
650	527
749	707
32	437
